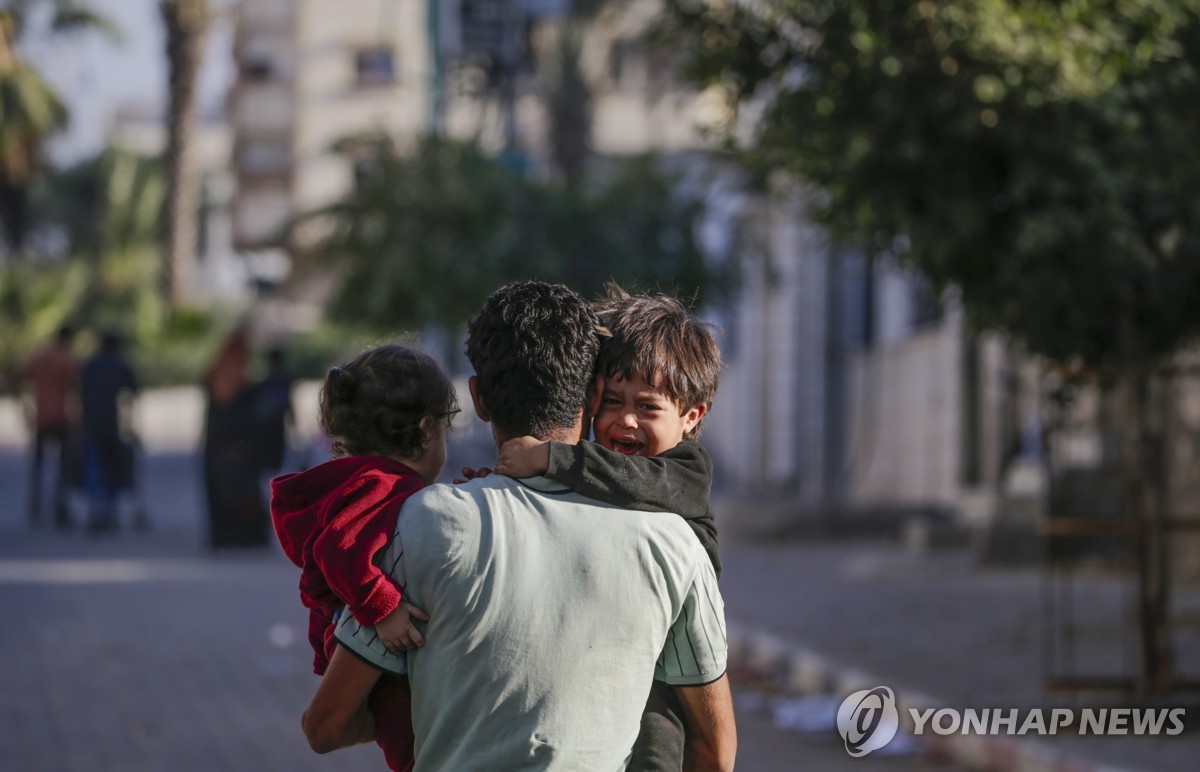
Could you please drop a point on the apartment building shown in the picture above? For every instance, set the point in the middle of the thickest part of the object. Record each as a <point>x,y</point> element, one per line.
<point>311,72</point>
<point>842,384</point>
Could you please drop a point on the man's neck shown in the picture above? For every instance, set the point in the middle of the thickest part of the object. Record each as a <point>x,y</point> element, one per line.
<point>567,434</point>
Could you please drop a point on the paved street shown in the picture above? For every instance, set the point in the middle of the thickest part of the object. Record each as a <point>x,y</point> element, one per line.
<point>145,652</point>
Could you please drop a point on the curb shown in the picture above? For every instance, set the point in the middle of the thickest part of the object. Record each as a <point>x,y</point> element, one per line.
<point>794,670</point>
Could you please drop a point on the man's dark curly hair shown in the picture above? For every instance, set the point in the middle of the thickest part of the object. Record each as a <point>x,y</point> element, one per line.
<point>655,336</point>
<point>374,405</point>
<point>533,346</point>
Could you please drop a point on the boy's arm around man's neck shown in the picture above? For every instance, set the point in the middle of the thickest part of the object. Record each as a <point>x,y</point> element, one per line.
<point>678,480</point>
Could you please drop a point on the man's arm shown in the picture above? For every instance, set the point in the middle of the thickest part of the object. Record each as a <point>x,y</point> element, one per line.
<point>338,715</point>
<point>711,728</point>
<point>693,663</point>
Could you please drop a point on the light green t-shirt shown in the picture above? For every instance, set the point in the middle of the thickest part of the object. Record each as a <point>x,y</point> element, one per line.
<point>551,614</point>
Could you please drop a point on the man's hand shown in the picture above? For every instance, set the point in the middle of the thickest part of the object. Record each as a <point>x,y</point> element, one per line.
<point>397,632</point>
<point>338,716</point>
<point>523,457</point>
<point>711,728</point>
<point>471,474</point>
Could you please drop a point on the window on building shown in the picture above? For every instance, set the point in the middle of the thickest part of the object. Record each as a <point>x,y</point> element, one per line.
<point>375,66</point>
<point>264,156</point>
<point>637,68</point>
<point>258,69</point>
<point>926,304</point>
<point>858,277</point>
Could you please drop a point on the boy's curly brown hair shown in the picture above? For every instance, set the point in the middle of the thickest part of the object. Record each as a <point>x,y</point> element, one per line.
<point>375,404</point>
<point>657,337</point>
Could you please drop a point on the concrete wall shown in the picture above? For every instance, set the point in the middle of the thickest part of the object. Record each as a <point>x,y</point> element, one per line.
<point>171,420</point>
<point>167,420</point>
<point>904,438</point>
<point>768,421</point>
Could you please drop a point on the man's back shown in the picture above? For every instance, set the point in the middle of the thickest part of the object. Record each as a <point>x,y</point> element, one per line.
<point>549,611</point>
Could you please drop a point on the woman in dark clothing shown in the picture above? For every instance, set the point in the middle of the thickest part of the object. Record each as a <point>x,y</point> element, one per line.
<point>108,455</point>
<point>237,514</point>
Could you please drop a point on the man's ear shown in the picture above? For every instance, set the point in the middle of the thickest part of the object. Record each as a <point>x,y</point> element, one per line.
<point>593,397</point>
<point>480,409</point>
<point>693,416</point>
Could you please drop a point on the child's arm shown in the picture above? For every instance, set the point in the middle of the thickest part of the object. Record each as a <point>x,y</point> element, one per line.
<point>678,480</point>
<point>347,549</point>
<point>521,457</point>
<point>396,630</point>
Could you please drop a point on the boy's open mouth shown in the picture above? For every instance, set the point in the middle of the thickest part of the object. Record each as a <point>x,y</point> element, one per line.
<point>628,447</point>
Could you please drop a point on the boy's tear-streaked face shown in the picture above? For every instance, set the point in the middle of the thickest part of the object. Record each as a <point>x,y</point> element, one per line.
<point>640,420</point>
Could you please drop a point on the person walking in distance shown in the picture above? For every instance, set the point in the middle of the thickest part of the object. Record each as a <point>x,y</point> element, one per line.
<point>53,374</point>
<point>108,456</point>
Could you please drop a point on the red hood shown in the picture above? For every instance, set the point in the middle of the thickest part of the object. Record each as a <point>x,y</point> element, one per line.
<point>303,503</point>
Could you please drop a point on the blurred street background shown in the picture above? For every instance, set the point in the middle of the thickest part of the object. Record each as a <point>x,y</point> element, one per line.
<point>146,650</point>
<point>953,248</point>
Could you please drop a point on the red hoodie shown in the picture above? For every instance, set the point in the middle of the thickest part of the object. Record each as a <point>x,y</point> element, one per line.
<point>333,521</point>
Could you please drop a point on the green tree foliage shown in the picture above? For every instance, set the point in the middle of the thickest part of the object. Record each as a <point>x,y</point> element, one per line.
<point>1042,156</point>
<point>30,110</point>
<point>424,237</point>
<point>107,208</point>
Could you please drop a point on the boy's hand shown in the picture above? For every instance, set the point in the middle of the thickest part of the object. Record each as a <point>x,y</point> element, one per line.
<point>471,474</point>
<point>396,630</point>
<point>523,457</point>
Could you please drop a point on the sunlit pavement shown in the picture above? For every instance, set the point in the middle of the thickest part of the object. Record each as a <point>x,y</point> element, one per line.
<point>145,651</point>
<point>834,617</point>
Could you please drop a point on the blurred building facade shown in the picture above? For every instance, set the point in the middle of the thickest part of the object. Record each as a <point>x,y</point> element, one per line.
<point>846,385</point>
<point>850,387</point>
<point>311,72</point>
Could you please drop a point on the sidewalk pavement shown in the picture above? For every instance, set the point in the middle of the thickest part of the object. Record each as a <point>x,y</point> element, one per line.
<point>145,651</point>
<point>141,653</point>
<point>816,618</point>
<point>942,632</point>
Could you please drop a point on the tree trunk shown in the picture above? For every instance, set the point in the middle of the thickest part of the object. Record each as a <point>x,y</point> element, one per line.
<point>14,217</point>
<point>569,103</point>
<point>186,25</point>
<point>13,162</point>
<point>1146,501</point>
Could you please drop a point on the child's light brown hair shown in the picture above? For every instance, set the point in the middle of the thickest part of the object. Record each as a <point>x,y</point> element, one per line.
<point>656,337</point>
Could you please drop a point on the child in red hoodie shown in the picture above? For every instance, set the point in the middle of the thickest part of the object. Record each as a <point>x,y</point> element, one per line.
<point>387,413</point>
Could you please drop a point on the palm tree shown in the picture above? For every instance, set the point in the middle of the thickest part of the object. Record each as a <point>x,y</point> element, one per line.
<point>30,111</point>
<point>568,95</point>
<point>186,23</point>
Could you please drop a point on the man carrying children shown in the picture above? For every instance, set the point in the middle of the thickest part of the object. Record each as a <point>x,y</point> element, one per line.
<point>549,609</point>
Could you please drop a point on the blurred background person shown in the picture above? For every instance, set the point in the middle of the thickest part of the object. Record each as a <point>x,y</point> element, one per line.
<point>273,414</point>
<point>237,514</point>
<point>52,374</point>
<point>106,380</point>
